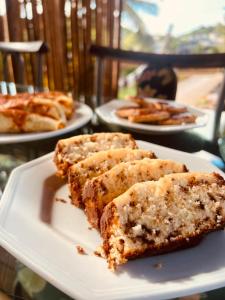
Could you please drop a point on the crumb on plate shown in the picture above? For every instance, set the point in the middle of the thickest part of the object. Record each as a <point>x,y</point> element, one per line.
<point>81,250</point>
<point>158,266</point>
<point>60,200</point>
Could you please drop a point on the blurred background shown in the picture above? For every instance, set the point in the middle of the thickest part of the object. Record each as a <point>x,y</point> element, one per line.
<point>69,27</point>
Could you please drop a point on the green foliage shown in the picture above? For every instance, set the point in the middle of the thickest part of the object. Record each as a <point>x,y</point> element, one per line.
<point>139,41</point>
<point>127,91</point>
<point>218,32</point>
<point>136,41</point>
<point>127,69</point>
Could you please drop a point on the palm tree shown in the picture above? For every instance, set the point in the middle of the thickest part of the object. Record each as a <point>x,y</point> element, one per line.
<point>139,38</point>
<point>131,8</point>
<point>134,34</point>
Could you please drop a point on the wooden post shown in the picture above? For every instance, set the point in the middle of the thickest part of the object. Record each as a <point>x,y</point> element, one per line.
<point>99,81</point>
<point>15,34</point>
<point>5,69</point>
<point>39,80</point>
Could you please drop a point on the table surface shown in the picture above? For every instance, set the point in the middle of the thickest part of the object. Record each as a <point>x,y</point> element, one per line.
<point>16,280</point>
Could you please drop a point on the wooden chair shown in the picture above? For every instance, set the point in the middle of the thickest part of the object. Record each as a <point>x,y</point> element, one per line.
<point>16,49</point>
<point>182,61</point>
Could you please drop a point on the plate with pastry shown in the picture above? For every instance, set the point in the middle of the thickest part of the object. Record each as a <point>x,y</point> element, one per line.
<point>117,219</point>
<point>26,117</point>
<point>154,116</point>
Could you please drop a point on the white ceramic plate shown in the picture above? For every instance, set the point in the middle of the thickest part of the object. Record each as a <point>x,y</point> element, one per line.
<point>107,113</point>
<point>44,235</point>
<point>82,116</point>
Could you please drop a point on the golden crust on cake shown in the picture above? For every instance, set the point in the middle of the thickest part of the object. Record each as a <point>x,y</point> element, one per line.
<point>161,216</point>
<point>101,190</point>
<point>97,164</point>
<point>72,150</point>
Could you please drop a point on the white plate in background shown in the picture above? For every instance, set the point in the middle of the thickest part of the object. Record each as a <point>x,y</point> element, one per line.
<point>44,235</point>
<point>107,113</point>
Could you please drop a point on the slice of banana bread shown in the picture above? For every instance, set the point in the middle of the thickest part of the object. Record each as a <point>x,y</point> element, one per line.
<point>99,191</point>
<point>72,150</point>
<point>97,164</point>
<point>161,216</point>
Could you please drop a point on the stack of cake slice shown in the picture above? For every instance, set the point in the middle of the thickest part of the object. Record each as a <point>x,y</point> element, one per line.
<point>141,205</point>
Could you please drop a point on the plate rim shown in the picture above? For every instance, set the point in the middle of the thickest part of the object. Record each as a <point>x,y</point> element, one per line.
<point>5,240</point>
<point>142,127</point>
<point>86,116</point>
<point>9,243</point>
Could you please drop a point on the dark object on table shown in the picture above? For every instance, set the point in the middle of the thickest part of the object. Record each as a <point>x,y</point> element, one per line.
<point>157,83</point>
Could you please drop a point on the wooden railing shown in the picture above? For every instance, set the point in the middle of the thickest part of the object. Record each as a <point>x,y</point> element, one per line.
<point>68,27</point>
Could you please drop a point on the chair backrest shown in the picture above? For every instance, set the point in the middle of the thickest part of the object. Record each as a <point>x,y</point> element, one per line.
<point>16,49</point>
<point>182,61</point>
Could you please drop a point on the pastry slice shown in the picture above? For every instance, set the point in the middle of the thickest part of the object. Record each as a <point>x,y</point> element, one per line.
<point>179,119</point>
<point>15,120</point>
<point>72,150</point>
<point>141,102</point>
<point>138,100</point>
<point>43,107</point>
<point>101,190</point>
<point>97,164</point>
<point>150,117</point>
<point>126,112</point>
<point>154,217</point>
<point>173,110</point>
<point>65,101</point>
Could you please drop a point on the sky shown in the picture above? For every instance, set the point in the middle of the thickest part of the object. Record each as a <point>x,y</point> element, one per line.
<point>185,15</point>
